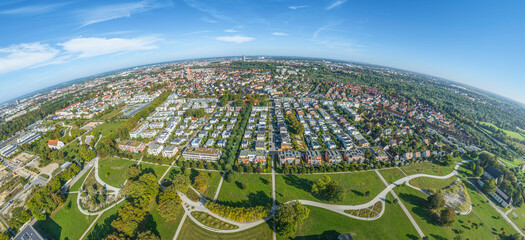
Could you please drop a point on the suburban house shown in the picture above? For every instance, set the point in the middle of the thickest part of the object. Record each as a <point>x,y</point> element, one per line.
<point>55,144</point>
<point>155,149</point>
<point>379,154</point>
<point>352,156</point>
<point>170,151</point>
<point>313,157</point>
<point>289,157</point>
<point>333,157</point>
<point>131,146</point>
<point>206,154</point>
<point>247,156</point>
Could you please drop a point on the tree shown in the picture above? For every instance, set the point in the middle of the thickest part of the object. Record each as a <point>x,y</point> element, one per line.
<point>478,171</point>
<point>201,181</point>
<point>181,183</point>
<point>436,201</point>
<point>231,176</point>
<point>490,186</point>
<point>448,216</point>
<point>147,235</point>
<point>289,216</point>
<point>132,172</point>
<point>328,189</point>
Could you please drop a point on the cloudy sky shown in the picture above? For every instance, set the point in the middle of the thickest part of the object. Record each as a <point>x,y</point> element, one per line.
<point>480,43</point>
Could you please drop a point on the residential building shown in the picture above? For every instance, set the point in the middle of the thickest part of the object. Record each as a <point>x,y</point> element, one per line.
<point>169,151</point>
<point>333,157</point>
<point>155,149</point>
<point>55,144</point>
<point>131,146</point>
<point>289,157</point>
<point>313,157</point>
<point>205,154</point>
<point>249,156</point>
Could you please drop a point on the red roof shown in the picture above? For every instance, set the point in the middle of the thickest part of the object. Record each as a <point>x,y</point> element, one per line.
<point>52,142</point>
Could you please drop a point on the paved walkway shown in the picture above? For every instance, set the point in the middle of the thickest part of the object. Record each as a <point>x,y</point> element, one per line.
<point>402,205</point>
<point>105,185</point>
<point>180,226</point>
<point>219,188</point>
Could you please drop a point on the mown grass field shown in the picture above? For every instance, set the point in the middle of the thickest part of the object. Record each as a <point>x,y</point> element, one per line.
<point>112,170</point>
<point>433,184</point>
<point>158,170</point>
<point>292,187</point>
<point>488,221</point>
<point>324,224</point>
<point>213,184</point>
<point>258,191</point>
<point>108,128</point>
<point>391,175</point>
<point>511,134</point>
<point>211,221</point>
<point>428,168</point>
<point>103,225</point>
<point>67,222</point>
<point>190,230</point>
<point>78,184</point>
<point>165,229</point>
<point>519,220</point>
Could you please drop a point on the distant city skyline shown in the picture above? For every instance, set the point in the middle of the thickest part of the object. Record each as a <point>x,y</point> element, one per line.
<point>52,42</point>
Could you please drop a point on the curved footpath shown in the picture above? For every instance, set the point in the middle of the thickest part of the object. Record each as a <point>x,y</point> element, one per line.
<point>191,206</point>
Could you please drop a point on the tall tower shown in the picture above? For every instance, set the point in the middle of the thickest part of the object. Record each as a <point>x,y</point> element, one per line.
<point>243,58</point>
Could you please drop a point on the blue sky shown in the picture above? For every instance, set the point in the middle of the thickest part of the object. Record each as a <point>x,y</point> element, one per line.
<point>480,43</point>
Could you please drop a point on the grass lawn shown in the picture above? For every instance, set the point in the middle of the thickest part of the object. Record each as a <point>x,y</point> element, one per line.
<point>324,224</point>
<point>291,187</point>
<point>428,168</point>
<point>433,184</point>
<point>157,169</point>
<point>103,225</point>
<point>258,191</point>
<point>112,170</point>
<point>519,220</point>
<point>511,134</point>
<point>211,221</point>
<point>67,222</point>
<point>391,175</point>
<point>77,185</point>
<point>489,221</point>
<point>108,128</point>
<point>166,229</point>
<point>190,230</point>
<point>213,184</point>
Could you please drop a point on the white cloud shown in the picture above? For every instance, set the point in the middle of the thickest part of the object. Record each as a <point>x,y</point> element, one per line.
<point>110,12</point>
<point>279,34</point>
<point>208,20</point>
<point>235,39</point>
<point>204,6</point>
<point>335,4</point>
<point>297,7</point>
<point>231,30</point>
<point>325,27</point>
<point>25,55</point>
<point>35,9</point>
<point>91,47</point>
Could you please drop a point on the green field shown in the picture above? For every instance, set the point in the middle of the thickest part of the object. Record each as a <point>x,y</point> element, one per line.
<point>324,224</point>
<point>158,170</point>
<point>77,185</point>
<point>433,184</point>
<point>190,230</point>
<point>488,220</point>
<point>103,225</point>
<point>211,221</point>
<point>166,229</point>
<point>67,222</point>
<point>511,134</point>
<point>258,191</point>
<point>213,184</point>
<point>291,187</point>
<point>108,128</point>
<point>112,170</point>
<point>391,175</point>
<point>519,220</point>
<point>428,168</point>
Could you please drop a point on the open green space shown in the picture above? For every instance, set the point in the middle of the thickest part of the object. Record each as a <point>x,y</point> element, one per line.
<point>257,192</point>
<point>158,170</point>
<point>112,170</point>
<point>356,185</point>
<point>190,230</point>
<point>166,229</point>
<point>103,225</point>
<point>519,220</point>
<point>211,221</point>
<point>433,184</point>
<point>391,175</point>
<point>484,222</point>
<point>67,222</point>
<point>108,128</point>
<point>428,168</point>
<point>213,184</point>
<point>325,224</point>
<point>511,134</point>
